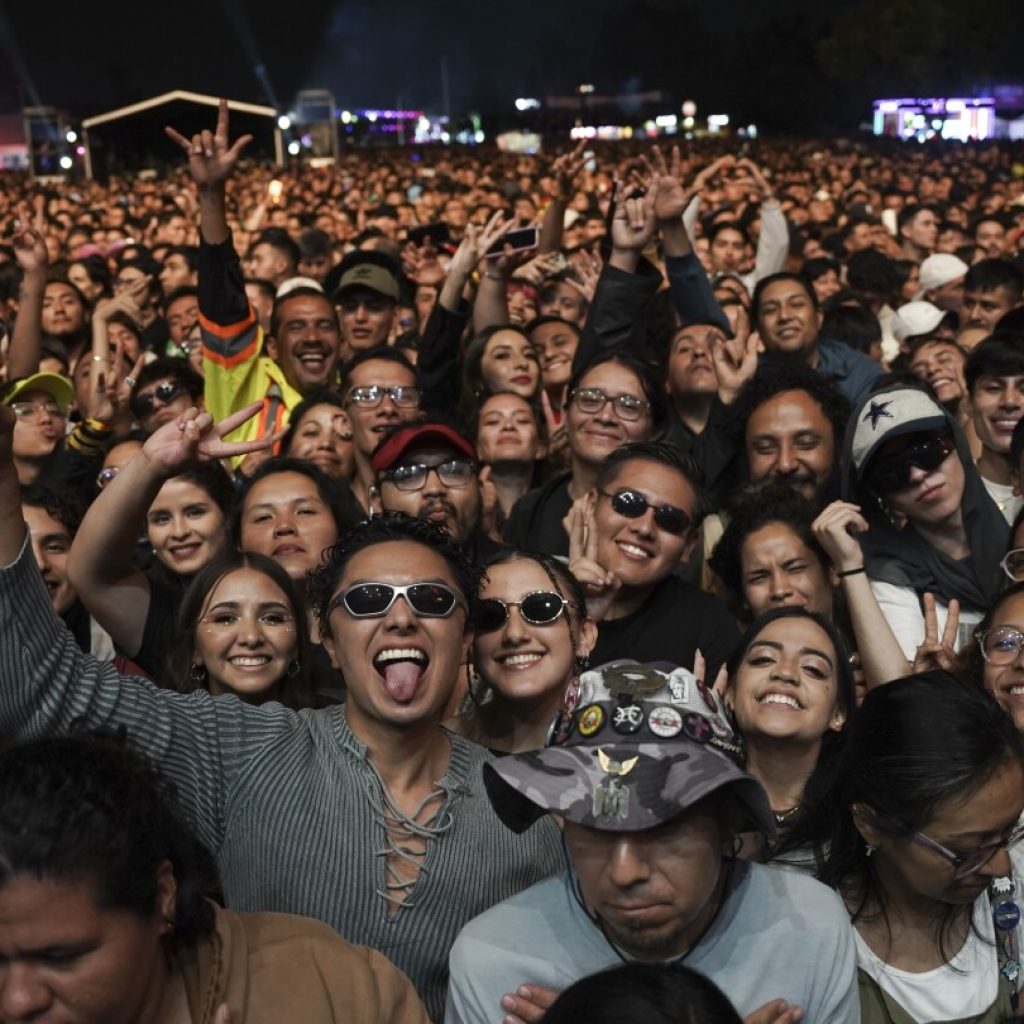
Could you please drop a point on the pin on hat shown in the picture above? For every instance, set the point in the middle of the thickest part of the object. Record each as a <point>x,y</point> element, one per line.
<point>651,742</point>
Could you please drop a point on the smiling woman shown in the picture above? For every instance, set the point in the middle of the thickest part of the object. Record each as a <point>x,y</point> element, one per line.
<point>533,637</point>
<point>791,690</point>
<point>242,630</point>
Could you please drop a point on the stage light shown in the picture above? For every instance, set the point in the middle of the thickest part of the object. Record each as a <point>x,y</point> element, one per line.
<point>71,136</point>
<point>66,163</point>
<point>284,122</point>
<point>294,148</point>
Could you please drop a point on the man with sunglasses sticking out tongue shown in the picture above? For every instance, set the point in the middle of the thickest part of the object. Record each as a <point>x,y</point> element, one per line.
<point>929,525</point>
<point>627,538</point>
<point>370,816</point>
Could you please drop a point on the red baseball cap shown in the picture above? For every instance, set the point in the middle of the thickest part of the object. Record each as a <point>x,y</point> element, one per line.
<point>419,435</point>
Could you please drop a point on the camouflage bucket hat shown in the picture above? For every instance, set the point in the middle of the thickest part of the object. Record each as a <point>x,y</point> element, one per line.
<point>633,747</point>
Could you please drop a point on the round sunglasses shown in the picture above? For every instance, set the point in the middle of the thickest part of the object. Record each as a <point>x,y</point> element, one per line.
<point>373,600</point>
<point>632,505</point>
<point>538,608</point>
<point>144,404</point>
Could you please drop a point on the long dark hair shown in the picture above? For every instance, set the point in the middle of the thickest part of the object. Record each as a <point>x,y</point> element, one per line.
<point>92,809</point>
<point>821,786</point>
<point>915,744</point>
<point>296,688</point>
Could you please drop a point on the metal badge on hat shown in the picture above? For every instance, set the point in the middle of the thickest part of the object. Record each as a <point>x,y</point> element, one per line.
<point>611,797</point>
<point>633,681</point>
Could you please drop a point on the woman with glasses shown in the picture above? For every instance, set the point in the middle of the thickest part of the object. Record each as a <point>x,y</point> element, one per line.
<point>922,849</point>
<point>932,527</point>
<point>994,659</point>
<point>613,401</point>
<point>532,638</point>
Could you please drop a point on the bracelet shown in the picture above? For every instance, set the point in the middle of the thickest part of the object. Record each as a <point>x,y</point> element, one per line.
<point>98,426</point>
<point>851,572</point>
<point>494,277</point>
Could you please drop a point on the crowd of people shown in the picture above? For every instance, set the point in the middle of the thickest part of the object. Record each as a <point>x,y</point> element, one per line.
<point>466,586</point>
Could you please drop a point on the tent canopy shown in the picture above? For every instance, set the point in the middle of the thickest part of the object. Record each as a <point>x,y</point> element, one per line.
<point>171,97</point>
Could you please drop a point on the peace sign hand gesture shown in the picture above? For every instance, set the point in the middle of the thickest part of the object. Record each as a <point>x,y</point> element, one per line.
<point>210,159</point>
<point>936,653</point>
<point>193,438</point>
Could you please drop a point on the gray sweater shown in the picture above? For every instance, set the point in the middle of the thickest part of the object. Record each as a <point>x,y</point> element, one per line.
<point>285,799</point>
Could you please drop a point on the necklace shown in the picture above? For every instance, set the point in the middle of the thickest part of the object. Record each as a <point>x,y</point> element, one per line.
<point>781,817</point>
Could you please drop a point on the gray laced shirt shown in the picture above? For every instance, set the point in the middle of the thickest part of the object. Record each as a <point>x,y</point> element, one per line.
<point>288,801</point>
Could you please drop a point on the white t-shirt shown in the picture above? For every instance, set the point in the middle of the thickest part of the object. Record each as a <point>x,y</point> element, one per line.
<point>1002,494</point>
<point>902,608</point>
<point>965,987</point>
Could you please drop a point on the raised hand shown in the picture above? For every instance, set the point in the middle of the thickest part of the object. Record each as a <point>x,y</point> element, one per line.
<point>836,529</point>
<point>721,684</point>
<point>599,586</point>
<point>30,251</point>
<point>938,652</point>
<point>566,167</point>
<point>733,374</point>
<point>210,159</point>
<point>671,198</point>
<point>634,221</point>
<point>721,164</point>
<point>588,270</point>
<point>223,1014</point>
<point>193,438</point>
<point>760,182</point>
<point>7,421</point>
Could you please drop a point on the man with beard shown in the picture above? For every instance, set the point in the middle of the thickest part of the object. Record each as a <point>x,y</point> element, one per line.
<point>789,422</point>
<point>241,365</point>
<point>428,469</point>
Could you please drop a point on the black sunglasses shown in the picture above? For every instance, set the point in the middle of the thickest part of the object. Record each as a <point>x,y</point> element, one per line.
<point>373,600</point>
<point>143,405</point>
<point>632,505</point>
<point>539,608</point>
<point>892,472</point>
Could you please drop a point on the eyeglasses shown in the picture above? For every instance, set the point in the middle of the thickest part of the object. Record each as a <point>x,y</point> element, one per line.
<point>539,608</point>
<point>369,397</point>
<point>373,600</point>
<point>632,505</point>
<point>1013,564</point>
<point>23,410</point>
<point>143,405</point>
<point>965,864</point>
<point>892,473</point>
<point>452,473</point>
<point>106,475</point>
<point>1000,645</point>
<point>593,400</point>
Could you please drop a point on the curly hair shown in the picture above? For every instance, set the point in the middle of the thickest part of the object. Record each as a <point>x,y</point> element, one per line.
<point>384,529</point>
<point>771,503</point>
<point>777,373</point>
<point>92,809</point>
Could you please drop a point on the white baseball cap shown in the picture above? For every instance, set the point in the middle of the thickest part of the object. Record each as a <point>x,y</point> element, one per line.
<point>938,269</point>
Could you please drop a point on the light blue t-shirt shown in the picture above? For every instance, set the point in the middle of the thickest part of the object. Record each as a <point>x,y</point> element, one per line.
<point>779,935</point>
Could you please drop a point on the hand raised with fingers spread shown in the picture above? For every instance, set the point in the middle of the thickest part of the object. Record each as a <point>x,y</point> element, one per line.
<point>210,159</point>
<point>938,652</point>
<point>193,438</point>
<point>671,198</point>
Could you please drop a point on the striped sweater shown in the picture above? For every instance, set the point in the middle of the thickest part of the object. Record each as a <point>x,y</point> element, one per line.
<point>283,798</point>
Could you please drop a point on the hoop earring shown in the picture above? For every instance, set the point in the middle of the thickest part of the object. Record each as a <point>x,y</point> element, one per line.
<point>197,676</point>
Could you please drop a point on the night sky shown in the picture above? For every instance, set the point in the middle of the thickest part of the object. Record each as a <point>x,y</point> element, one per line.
<point>752,57</point>
<point>90,56</point>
